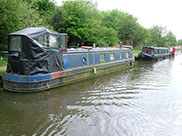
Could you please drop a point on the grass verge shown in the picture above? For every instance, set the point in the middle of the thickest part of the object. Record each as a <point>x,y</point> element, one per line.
<point>3,63</point>
<point>2,72</point>
<point>136,51</point>
<point>3,60</point>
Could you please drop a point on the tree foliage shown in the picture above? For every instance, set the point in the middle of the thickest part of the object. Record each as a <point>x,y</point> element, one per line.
<point>170,39</point>
<point>142,36</point>
<point>107,37</point>
<point>160,36</point>
<point>179,42</point>
<point>83,23</point>
<point>128,29</point>
<point>16,15</point>
<point>45,8</point>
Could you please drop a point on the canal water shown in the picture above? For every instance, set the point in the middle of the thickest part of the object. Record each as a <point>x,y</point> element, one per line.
<point>145,100</point>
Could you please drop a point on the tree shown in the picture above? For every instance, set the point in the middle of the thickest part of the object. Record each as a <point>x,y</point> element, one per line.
<point>127,29</point>
<point>142,36</point>
<point>58,21</point>
<point>125,25</point>
<point>157,36</point>
<point>160,36</point>
<point>16,15</point>
<point>112,19</point>
<point>44,7</point>
<point>180,42</point>
<point>107,37</point>
<point>170,39</point>
<point>77,19</point>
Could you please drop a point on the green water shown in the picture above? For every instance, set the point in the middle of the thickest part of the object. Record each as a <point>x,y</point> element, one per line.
<point>145,100</point>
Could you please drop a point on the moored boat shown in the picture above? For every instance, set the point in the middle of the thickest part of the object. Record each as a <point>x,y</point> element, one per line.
<point>154,53</point>
<point>175,50</point>
<point>39,60</point>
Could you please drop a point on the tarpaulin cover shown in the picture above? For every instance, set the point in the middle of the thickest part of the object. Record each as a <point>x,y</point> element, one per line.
<point>28,56</point>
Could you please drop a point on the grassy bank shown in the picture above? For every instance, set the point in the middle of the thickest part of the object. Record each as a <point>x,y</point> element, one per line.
<point>3,63</point>
<point>2,72</point>
<point>3,58</point>
<point>136,51</point>
<point>1,78</point>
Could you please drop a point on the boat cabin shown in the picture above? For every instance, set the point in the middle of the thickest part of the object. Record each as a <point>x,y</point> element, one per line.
<point>148,50</point>
<point>155,50</point>
<point>35,50</point>
<point>39,60</point>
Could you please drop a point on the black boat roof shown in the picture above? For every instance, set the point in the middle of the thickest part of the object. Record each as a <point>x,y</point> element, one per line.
<point>33,32</point>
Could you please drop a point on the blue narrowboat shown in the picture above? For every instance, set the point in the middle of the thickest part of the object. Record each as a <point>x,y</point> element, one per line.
<point>39,60</point>
<point>154,53</point>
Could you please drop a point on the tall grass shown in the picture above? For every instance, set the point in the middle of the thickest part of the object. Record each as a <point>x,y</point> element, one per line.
<point>136,51</point>
<point>3,61</point>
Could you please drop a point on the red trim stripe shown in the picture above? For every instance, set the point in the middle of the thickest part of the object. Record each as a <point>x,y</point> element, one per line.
<point>58,74</point>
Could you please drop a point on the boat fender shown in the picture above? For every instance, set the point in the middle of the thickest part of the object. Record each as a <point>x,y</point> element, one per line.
<point>95,71</point>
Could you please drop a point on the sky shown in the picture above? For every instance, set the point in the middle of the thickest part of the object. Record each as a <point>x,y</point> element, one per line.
<point>167,13</point>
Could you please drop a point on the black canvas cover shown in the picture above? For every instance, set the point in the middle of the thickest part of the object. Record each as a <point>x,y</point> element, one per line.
<point>34,32</point>
<point>30,51</point>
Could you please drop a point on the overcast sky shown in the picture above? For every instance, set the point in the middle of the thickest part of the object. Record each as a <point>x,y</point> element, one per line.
<point>167,13</point>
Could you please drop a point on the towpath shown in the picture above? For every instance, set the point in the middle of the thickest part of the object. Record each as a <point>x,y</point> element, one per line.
<point>3,67</point>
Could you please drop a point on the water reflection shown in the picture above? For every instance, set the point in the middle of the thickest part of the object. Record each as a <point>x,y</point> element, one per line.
<point>145,100</point>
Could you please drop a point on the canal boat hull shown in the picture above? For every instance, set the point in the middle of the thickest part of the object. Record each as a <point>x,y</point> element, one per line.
<point>154,53</point>
<point>39,60</point>
<point>36,83</point>
<point>146,56</point>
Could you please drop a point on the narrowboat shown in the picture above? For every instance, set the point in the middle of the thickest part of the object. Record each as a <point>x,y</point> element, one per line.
<point>154,53</point>
<point>175,50</point>
<point>39,60</point>
<point>172,51</point>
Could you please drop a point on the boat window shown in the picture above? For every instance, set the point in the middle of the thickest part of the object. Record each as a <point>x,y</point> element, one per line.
<point>120,55</point>
<point>127,55</point>
<point>15,43</point>
<point>42,40</point>
<point>102,58</point>
<point>63,41</point>
<point>158,52</point>
<point>144,50</point>
<point>84,60</point>
<point>152,51</point>
<point>53,42</point>
<point>112,56</point>
<point>155,51</point>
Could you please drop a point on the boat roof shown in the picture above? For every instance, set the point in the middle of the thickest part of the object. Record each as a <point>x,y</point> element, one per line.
<point>34,32</point>
<point>151,47</point>
<point>98,49</point>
